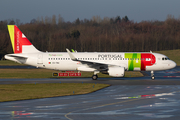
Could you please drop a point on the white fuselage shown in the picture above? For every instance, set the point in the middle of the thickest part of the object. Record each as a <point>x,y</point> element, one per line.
<point>62,61</point>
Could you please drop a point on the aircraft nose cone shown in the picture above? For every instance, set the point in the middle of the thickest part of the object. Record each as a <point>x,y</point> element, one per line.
<point>173,64</point>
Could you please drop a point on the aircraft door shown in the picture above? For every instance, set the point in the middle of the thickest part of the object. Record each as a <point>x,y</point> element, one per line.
<point>40,59</point>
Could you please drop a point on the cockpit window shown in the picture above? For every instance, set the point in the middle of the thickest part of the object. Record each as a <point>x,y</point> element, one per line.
<point>165,58</point>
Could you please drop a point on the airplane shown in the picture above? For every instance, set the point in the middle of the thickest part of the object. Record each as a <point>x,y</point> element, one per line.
<point>112,63</point>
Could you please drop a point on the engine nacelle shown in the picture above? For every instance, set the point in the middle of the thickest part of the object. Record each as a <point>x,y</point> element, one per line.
<point>116,71</point>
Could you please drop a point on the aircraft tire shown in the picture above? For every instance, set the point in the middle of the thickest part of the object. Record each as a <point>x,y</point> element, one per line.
<point>94,77</point>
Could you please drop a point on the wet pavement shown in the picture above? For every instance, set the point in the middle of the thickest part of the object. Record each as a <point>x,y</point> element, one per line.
<point>127,98</point>
<point>115,102</point>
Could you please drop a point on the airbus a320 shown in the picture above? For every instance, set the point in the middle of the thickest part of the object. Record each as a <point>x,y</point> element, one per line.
<point>113,63</point>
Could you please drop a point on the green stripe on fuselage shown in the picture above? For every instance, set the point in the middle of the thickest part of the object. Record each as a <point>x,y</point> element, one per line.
<point>134,61</point>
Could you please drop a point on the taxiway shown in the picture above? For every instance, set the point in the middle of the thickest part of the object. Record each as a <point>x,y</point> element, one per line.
<point>126,98</point>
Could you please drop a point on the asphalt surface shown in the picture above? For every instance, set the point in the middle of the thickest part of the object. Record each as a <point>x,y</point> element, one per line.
<point>126,98</point>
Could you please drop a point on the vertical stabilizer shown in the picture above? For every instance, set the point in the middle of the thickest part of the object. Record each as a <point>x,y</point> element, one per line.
<point>20,43</point>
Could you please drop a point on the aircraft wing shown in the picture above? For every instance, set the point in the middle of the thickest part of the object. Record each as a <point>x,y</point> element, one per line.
<point>102,66</point>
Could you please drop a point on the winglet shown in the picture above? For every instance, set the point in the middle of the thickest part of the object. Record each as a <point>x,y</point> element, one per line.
<point>72,50</point>
<point>71,55</point>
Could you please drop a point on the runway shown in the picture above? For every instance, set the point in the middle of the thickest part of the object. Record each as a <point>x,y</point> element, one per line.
<point>126,98</point>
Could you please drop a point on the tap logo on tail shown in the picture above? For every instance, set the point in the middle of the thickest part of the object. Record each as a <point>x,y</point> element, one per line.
<point>18,39</point>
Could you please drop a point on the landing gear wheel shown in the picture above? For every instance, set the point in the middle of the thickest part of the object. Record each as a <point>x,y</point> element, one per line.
<point>152,75</point>
<point>94,77</point>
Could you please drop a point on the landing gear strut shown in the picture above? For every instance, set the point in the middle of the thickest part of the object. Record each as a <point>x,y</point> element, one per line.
<point>152,75</point>
<point>95,76</point>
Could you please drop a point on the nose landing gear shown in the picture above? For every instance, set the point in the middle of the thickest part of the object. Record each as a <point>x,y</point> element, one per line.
<point>152,75</point>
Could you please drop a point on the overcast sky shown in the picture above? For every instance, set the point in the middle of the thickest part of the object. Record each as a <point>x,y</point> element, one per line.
<point>136,10</point>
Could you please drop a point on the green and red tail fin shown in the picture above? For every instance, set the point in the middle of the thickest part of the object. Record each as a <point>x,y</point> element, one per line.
<point>20,43</point>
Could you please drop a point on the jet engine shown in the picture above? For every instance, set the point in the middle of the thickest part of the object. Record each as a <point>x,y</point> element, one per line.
<point>116,71</point>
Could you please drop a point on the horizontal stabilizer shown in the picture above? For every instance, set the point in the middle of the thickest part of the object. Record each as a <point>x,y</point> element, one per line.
<point>16,56</point>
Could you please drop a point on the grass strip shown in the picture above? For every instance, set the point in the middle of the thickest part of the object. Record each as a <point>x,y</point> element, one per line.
<point>15,92</point>
<point>45,73</point>
<point>9,63</point>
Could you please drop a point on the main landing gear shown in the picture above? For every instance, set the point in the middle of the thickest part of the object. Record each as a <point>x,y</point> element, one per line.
<point>152,75</point>
<point>95,76</point>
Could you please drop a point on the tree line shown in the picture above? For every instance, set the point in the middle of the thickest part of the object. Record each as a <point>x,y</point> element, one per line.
<point>97,34</point>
